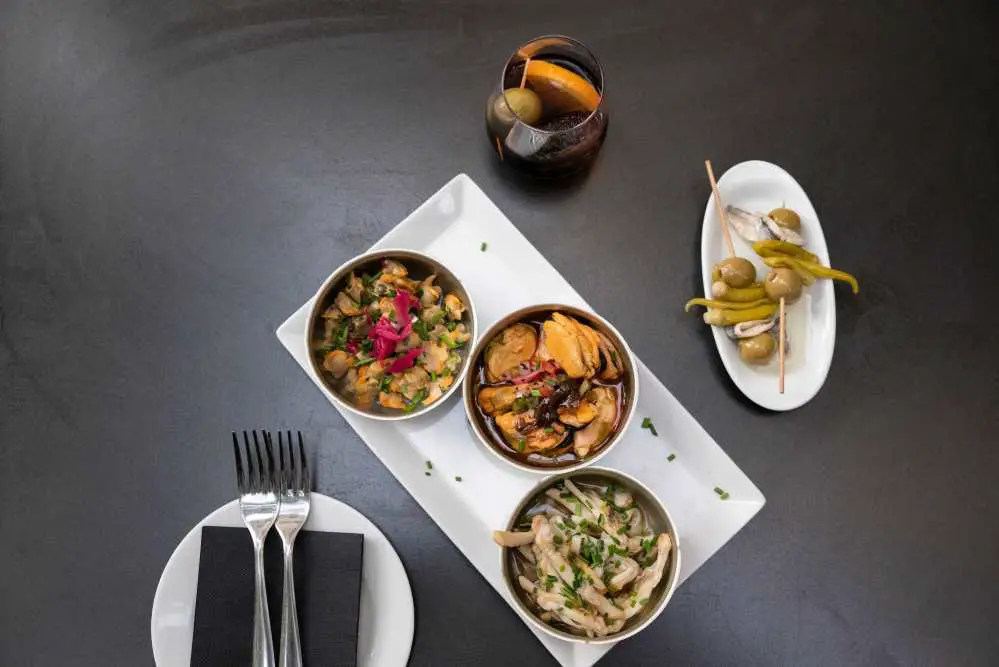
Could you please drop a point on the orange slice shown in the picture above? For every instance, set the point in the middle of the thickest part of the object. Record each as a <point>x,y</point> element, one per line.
<point>561,90</point>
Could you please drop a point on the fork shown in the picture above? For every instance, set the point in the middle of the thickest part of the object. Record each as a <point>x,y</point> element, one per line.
<point>295,484</point>
<point>258,503</point>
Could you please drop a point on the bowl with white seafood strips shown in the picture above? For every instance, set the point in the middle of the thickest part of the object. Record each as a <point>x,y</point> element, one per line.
<point>389,334</point>
<point>550,388</point>
<point>591,556</point>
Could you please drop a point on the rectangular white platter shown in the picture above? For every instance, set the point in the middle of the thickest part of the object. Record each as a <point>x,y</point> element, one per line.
<point>510,274</point>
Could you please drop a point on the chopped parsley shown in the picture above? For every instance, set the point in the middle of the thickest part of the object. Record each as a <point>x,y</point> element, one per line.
<point>483,247</point>
<point>421,328</point>
<point>384,386</point>
<point>550,581</point>
<point>649,544</point>
<point>591,552</point>
<point>557,539</point>
<point>416,401</point>
<point>647,423</point>
<point>451,326</point>
<point>613,550</point>
<point>535,393</point>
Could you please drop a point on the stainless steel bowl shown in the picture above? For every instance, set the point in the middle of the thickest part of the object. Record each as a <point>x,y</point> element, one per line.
<point>661,522</point>
<point>586,317</point>
<point>420,266</point>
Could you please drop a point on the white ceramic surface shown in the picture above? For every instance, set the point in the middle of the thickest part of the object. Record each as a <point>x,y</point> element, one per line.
<point>385,631</point>
<point>758,186</point>
<point>510,274</point>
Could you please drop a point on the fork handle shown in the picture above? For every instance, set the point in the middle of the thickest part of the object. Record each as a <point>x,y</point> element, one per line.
<point>263,641</point>
<point>291,645</point>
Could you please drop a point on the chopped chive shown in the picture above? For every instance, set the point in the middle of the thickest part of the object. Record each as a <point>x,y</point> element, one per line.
<point>483,246</point>
<point>722,493</point>
<point>521,444</point>
<point>427,473</point>
<point>430,466</point>
<point>725,496</point>
<point>457,478</point>
<point>671,457</point>
<point>647,423</point>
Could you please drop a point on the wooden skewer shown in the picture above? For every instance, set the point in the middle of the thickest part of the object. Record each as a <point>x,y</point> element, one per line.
<point>523,77</point>
<point>718,206</point>
<point>780,347</point>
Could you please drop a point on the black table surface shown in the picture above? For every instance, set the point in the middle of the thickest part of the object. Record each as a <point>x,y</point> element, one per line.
<point>177,177</point>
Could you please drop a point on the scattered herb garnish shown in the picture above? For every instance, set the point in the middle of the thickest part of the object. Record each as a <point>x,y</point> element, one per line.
<point>364,362</point>
<point>430,466</point>
<point>557,539</point>
<point>421,328</point>
<point>647,423</point>
<point>451,326</point>
<point>416,401</point>
<point>561,568</point>
<point>521,444</point>
<point>386,381</point>
<point>649,544</point>
<point>536,393</point>
<point>427,473</point>
<point>457,478</point>
<point>671,457</point>
<point>549,429</point>
<point>722,493</point>
<point>483,246</point>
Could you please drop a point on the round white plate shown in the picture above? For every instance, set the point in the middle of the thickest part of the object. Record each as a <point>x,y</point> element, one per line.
<point>758,186</point>
<point>386,621</point>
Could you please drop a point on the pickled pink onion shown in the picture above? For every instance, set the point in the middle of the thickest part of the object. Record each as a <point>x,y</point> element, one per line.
<point>406,361</point>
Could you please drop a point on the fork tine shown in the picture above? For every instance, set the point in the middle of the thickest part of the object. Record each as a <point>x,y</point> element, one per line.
<point>306,484</point>
<point>250,468</point>
<point>292,465</point>
<point>282,464</point>
<point>272,472</point>
<point>261,477</point>
<point>240,481</point>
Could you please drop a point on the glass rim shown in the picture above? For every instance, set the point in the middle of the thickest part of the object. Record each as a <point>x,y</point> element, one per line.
<point>573,40</point>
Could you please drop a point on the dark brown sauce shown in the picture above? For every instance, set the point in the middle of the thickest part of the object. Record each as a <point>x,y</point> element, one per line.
<point>563,455</point>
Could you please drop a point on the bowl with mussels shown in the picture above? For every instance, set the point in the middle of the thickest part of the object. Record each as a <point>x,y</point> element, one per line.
<point>550,388</point>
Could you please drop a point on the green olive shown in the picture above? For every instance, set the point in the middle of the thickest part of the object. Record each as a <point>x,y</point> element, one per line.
<point>737,271</point>
<point>785,217</point>
<point>758,349</point>
<point>524,103</point>
<point>782,283</point>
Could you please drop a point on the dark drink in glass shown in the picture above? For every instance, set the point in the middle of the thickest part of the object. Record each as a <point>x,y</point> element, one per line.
<point>546,117</point>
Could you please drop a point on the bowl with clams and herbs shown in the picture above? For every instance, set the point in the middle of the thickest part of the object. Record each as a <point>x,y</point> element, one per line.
<point>389,334</point>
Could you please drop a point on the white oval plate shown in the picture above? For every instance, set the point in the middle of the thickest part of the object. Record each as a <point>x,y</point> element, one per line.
<point>759,186</point>
<point>385,632</point>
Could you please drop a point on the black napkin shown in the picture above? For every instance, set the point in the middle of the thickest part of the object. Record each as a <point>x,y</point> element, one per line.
<point>327,590</point>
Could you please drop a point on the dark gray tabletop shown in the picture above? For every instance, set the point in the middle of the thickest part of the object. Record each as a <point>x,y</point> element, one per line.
<point>177,177</point>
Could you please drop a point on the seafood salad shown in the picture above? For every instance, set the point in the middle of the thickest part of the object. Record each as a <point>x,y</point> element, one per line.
<point>586,557</point>
<point>551,390</point>
<point>392,339</point>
